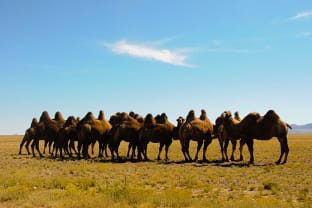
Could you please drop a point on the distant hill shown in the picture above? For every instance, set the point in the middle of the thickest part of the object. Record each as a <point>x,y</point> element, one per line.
<point>306,128</point>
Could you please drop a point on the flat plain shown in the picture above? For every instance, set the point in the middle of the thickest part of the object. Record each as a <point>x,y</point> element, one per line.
<point>46,182</point>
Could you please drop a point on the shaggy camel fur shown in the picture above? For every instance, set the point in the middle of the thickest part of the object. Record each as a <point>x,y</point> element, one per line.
<point>176,130</point>
<point>197,129</point>
<point>224,137</point>
<point>91,130</point>
<point>254,126</point>
<point>125,128</point>
<point>66,134</point>
<point>28,136</point>
<point>48,129</point>
<point>156,130</point>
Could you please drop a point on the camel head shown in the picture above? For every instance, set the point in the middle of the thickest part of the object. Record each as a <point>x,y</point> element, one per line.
<point>180,120</point>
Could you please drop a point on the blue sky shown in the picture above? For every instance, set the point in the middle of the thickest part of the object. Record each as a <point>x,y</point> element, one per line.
<point>153,57</point>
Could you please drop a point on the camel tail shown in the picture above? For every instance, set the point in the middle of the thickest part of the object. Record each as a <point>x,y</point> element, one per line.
<point>289,126</point>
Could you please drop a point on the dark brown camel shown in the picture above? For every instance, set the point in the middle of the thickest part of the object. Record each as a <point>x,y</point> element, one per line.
<point>197,129</point>
<point>224,137</point>
<point>254,126</point>
<point>125,128</point>
<point>156,130</point>
<point>28,136</point>
<point>48,129</point>
<point>67,134</point>
<point>90,130</point>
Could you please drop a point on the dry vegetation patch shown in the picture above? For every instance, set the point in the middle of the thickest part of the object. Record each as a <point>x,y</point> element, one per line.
<point>44,182</point>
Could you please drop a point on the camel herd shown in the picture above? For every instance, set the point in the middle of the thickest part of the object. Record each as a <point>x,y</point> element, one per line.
<point>74,136</point>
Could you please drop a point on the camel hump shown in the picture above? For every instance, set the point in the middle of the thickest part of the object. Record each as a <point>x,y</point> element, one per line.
<point>58,116</point>
<point>271,115</point>
<point>203,115</point>
<point>190,116</point>
<point>149,121</point>
<point>101,115</point>
<point>236,116</point>
<point>89,116</point>
<point>34,122</point>
<point>162,119</point>
<point>44,116</point>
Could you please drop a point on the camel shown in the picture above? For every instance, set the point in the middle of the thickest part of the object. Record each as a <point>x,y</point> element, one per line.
<point>176,130</point>
<point>224,137</point>
<point>156,130</point>
<point>91,130</point>
<point>28,136</point>
<point>254,126</point>
<point>196,129</point>
<point>48,129</point>
<point>67,134</point>
<point>125,127</point>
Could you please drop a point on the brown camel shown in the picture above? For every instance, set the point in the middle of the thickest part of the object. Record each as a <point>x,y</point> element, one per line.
<point>224,137</point>
<point>254,126</point>
<point>156,130</point>
<point>28,136</point>
<point>48,129</point>
<point>91,130</point>
<point>176,130</point>
<point>197,129</point>
<point>125,128</point>
<point>67,134</point>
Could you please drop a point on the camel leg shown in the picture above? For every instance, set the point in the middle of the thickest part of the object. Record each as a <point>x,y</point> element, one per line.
<point>199,145</point>
<point>111,149</point>
<point>221,148</point>
<point>133,147</point>
<point>21,145</point>
<point>206,143</point>
<point>105,149</point>
<point>161,145</point>
<point>27,146</point>
<point>145,150</point>
<point>226,144</point>
<point>129,148</point>
<point>79,149</point>
<point>241,145</point>
<point>187,151</point>
<point>45,146</point>
<point>250,148</point>
<point>167,149</point>
<point>33,147</point>
<point>286,150</point>
<point>50,144</point>
<point>183,150</point>
<point>117,151</point>
<point>234,142</point>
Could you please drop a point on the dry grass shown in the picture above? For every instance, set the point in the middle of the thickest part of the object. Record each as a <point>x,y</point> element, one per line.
<point>44,182</point>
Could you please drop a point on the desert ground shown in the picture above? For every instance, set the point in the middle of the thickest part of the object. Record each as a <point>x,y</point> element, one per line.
<point>46,182</point>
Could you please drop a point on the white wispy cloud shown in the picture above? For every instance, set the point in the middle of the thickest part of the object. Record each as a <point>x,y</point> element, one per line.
<point>304,34</point>
<point>176,57</point>
<point>302,15</point>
